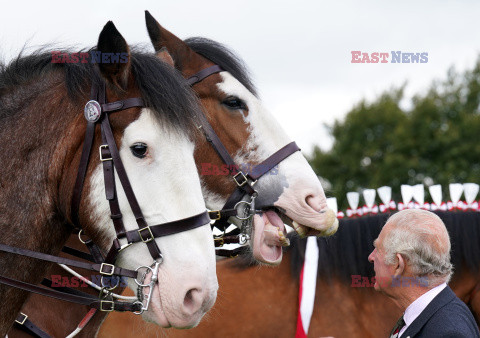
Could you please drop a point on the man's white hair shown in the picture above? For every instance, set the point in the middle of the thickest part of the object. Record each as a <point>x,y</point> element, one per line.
<point>422,239</point>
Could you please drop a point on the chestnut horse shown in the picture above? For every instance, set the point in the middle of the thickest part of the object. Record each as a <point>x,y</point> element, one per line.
<point>345,305</point>
<point>228,111</point>
<point>42,128</point>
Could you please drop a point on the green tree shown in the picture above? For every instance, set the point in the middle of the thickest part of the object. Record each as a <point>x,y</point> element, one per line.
<point>379,143</point>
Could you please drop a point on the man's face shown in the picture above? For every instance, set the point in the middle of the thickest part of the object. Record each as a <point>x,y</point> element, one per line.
<point>383,272</point>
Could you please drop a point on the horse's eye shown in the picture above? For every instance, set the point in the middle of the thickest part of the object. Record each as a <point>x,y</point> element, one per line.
<point>234,103</point>
<point>139,150</point>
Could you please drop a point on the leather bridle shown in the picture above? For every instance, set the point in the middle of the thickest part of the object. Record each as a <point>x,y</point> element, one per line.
<point>244,181</point>
<point>96,112</point>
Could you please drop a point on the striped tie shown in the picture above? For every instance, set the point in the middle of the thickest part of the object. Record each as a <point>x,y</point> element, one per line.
<point>400,324</point>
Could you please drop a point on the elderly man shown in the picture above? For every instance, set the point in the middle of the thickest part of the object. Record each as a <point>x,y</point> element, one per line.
<point>412,266</point>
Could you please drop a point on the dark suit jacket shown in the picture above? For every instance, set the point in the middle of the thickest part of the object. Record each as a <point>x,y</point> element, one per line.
<point>445,316</point>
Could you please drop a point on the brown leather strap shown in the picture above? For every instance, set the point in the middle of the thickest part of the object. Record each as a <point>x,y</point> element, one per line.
<point>274,159</point>
<point>264,167</point>
<point>77,253</point>
<point>123,104</point>
<point>224,213</point>
<point>204,73</point>
<point>95,251</point>
<point>90,301</point>
<point>110,188</point>
<point>127,188</point>
<point>169,228</point>
<point>105,269</point>
<point>81,173</point>
<point>222,240</point>
<point>65,289</point>
<point>23,323</point>
<point>84,160</point>
<point>214,140</point>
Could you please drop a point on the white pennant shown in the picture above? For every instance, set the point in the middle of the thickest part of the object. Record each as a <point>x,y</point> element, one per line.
<point>456,190</point>
<point>385,194</point>
<point>407,193</point>
<point>471,191</point>
<point>369,197</point>
<point>332,204</point>
<point>436,194</point>
<point>309,284</point>
<point>353,198</point>
<point>418,192</point>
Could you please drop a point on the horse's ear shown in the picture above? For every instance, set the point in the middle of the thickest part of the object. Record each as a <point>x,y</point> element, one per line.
<point>165,56</point>
<point>162,38</point>
<point>114,62</point>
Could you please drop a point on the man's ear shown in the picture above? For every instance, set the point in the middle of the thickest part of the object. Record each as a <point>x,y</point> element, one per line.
<point>114,55</point>
<point>400,265</point>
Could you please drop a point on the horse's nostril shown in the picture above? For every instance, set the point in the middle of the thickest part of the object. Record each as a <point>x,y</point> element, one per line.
<point>315,202</point>
<point>193,300</point>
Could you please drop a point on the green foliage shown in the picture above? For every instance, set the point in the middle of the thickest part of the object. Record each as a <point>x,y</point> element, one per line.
<point>436,141</point>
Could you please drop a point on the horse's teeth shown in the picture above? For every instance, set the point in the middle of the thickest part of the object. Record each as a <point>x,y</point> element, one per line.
<point>300,229</point>
<point>284,241</point>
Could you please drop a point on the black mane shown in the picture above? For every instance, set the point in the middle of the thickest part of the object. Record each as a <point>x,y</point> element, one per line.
<point>345,254</point>
<point>225,58</point>
<point>161,87</point>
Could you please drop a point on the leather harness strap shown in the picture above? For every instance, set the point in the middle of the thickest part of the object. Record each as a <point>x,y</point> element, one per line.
<point>103,305</point>
<point>104,268</point>
<point>80,254</point>
<point>149,233</point>
<point>204,73</point>
<point>274,159</point>
<point>23,323</point>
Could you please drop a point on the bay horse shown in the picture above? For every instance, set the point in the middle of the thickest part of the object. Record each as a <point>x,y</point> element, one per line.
<point>290,193</point>
<point>42,129</point>
<point>227,111</point>
<point>345,305</point>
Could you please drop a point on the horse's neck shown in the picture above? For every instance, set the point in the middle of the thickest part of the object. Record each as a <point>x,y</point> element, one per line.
<point>29,216</point>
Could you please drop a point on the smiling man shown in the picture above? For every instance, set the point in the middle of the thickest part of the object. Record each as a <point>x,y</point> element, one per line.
<point>412,266</point>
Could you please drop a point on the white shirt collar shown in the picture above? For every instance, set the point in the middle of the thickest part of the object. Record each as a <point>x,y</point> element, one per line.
<point>415,309</point>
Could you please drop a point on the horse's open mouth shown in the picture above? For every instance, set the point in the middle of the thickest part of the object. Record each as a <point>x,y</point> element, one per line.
<point>269,236</point>
<point>269,233</point>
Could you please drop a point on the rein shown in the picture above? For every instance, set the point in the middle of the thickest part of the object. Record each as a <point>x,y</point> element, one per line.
<point>96,112</point>
<point>244,181</point>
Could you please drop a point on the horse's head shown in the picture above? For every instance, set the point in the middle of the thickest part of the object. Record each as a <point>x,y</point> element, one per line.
<point>157,154</point>
<point>290,192</point>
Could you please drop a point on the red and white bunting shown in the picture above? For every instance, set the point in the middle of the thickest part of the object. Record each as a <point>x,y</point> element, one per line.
<point>442,207</point>
<point>372,210</point>
<point>354,212</point>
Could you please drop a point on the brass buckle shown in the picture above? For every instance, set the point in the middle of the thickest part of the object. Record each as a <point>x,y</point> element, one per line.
<point>150,233</point>
<point>110,308</point>
<point>217,214</point>
<point>103,146</point>
<point>21,321</point>
<point>112,269</point>
<point>244,179</point>
<point>219,240</point>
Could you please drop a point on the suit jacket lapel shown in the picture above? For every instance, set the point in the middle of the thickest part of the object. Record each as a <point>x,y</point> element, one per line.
<point>438,302</point>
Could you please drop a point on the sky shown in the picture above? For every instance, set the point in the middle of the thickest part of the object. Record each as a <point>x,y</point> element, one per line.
<point>298,52</point>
